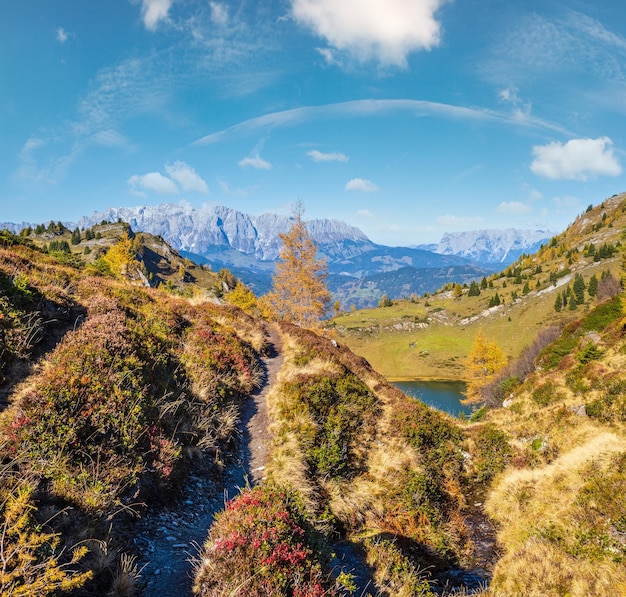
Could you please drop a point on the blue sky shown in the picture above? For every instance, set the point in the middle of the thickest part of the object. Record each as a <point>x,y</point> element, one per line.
<point>406,118</point>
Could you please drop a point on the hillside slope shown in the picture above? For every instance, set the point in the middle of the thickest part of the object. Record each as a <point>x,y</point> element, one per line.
<point>427,337</point>
<point>116,393</point>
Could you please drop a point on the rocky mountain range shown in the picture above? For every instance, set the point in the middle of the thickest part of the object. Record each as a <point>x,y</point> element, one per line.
<point>249,246</point>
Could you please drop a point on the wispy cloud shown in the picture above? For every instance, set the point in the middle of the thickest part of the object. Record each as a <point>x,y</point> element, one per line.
<point>154,11</point>
<point>567,202</point>
<point>219,13</point>
<point>514,208</point>
<point>361,184</point>
<point>366,214</point>
<point>572,51</point>
<point>521,109</point>
<point>466,173</point>
<point>110,138</point>
<point>578,159</point>
<point>231,191</point>
<point>335,156</point>
<point>371,107</point>
<point>255,161</point>
<point>467,222</point>
<point>384,30</point>
<point>62,35</point>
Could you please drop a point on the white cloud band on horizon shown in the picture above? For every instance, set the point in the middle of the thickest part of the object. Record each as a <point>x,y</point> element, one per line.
<point>372,107</point>
<point>460,221</point>
<point>361,184</point>
<point>578,159</point>
<point>385,30</point>
<point>335,156</point>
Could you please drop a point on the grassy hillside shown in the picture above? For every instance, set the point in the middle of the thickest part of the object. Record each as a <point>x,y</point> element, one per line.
<point>110,390</point>
<point>559,504</point>
<point>428,337</point>
<point>114,391</point>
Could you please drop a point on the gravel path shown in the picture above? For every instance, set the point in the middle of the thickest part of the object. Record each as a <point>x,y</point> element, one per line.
<point>168,539</point>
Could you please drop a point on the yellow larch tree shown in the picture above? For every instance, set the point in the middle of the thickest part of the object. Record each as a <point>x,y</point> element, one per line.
<point>483,362</point>
<point>242,297</point>
<point>299,291</point>
<point>121,255</point>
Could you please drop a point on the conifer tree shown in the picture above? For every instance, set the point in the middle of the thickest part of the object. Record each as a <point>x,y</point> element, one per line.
<point>558,303</point>
<point>592,289</point>
<point>299,291</point>
<point>473,289</point>
<point>579,289</point>
<point>75,239</point>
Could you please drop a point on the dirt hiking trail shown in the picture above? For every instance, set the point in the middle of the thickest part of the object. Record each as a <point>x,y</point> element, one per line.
<point>168,539</point>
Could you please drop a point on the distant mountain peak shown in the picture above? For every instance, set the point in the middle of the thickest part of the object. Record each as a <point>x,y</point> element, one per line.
<point>492,246</point>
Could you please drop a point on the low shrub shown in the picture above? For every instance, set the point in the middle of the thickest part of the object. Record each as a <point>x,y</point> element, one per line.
<point>262,544</point>
<point>343,409</point>
<point>491,452</point>
<point>546,394</point>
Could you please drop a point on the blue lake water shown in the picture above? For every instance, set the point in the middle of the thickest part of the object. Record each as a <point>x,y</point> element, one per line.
<point>443,395</point>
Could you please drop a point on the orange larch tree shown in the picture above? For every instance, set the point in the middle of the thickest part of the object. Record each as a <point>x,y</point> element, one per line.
<point>299,291</point>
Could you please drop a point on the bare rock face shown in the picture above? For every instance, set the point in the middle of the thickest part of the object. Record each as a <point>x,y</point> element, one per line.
<point>203,230</point>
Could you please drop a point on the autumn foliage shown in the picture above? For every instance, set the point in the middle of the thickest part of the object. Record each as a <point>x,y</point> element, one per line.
<point>261,546</point>
<point>299,292</point>
<point>483,362</point>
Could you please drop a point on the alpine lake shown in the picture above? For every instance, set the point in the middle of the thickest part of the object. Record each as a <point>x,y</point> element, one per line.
<point>442,395</point>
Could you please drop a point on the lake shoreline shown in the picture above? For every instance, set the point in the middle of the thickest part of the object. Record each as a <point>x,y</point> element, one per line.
<point>443,395</point>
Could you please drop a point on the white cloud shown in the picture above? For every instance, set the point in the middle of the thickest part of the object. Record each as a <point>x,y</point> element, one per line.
<point>255,161</point>
<point>187,177</point>
<point>372,107</point>
<point>109,138</point>
<point>521,109</point>
<point>153,181</point>
<point>219,13</point>
<point>578,159</point>
<point>514,208</point>
<point>328,55</point>
<point>361,184</point>
<point>386,30</point>
<point>335,156</point>
<point>460,221</point>
<point>154,11</point>
<point>62,35</point>
<point>567,202</point>
<point>365,213</point>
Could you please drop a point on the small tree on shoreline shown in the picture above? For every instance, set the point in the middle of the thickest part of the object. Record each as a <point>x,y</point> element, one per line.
<point>483,362</point>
